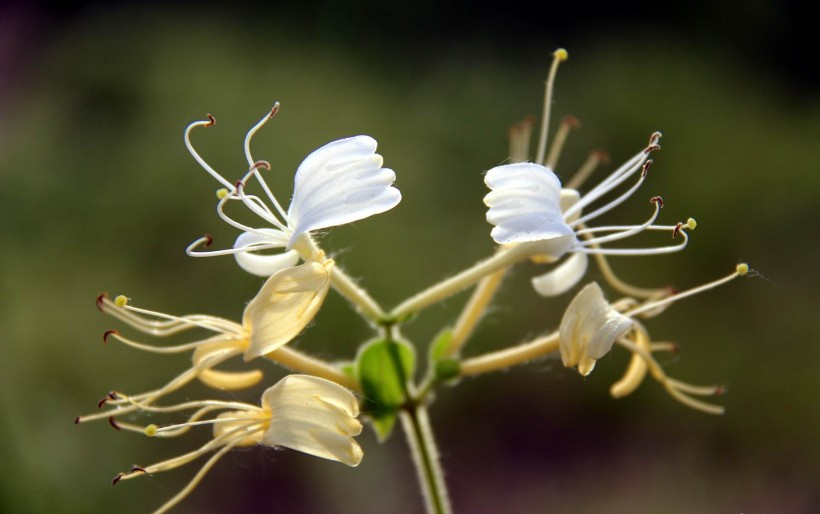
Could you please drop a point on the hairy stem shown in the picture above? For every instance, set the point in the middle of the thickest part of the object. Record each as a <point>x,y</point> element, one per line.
<point>416,425</point>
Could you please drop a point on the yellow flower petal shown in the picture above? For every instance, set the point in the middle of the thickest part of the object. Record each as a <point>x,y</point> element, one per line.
<point>285,305</point>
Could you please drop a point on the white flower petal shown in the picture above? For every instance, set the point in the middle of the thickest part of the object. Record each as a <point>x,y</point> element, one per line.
<point>563,277</point>
<point>568,198</point>
<point>524,203</point>
<point>264,265</point>
<point>314,416</point>
<point>339,183</point>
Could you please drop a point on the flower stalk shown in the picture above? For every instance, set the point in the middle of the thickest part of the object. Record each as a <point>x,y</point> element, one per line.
<point>416,424</point>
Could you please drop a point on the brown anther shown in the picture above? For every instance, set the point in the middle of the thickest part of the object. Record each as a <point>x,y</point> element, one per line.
<point>720,390</point>
<point>646,167</point>
<point>211,121</point>
<point>261,164</point>
<point>208,240</point>
<point>654,138</point>
<point>77,420</point>
<point>601,155</point>
<point>523,125</point>
<point>100,302</point>
<point>112,395</point>
<point>137,469</point>
<point>675,349</point>
<point>651,148</point>
<point>108,333</point>
<point>658,200</point>
<point>274,110</point>
<point>572,121</point>
<point>117,478</point>
<point>113,422</point>
<point>676,230</point>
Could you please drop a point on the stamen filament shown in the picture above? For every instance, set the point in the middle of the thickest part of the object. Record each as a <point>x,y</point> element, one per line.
<point>612,181</point>
<point>567,124</point>
<point>255,129</point>
<point>669,384</point>
<point>196,480</point>
<point>252,203</point>
<point>638,251</point>
<point>624,234</point>
<point>204,321</point>
<point>519,136</point>
<point>180,348</point>
<point>253,247</point>
<point>125,404</point>
<point>611,205</point>
<point>648,306</point>
<point>197,157</point>
<point>557,57</point>
<point>270,194</point>
<point>596,157</point>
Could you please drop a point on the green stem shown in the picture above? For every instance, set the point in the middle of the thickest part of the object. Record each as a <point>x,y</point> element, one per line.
<point>416,425</point>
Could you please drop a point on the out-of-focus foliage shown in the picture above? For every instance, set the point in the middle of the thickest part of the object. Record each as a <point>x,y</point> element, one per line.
<point>99,194</point>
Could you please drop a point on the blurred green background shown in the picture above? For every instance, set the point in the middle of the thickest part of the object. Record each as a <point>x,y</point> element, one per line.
<point>99,194</point>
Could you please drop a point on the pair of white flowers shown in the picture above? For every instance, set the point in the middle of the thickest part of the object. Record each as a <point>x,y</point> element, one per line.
<point>344,181</point>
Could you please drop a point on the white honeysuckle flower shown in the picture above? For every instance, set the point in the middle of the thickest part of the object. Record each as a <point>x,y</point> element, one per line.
<point>301,412</point>
<point>339,183</point>
<point>528,206</point>
<point>589,328</point>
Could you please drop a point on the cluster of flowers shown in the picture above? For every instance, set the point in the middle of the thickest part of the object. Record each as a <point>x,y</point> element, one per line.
<point>316,411</point>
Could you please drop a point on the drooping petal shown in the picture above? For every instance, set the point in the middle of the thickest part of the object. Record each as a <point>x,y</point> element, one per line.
<point>524,203</point>
<point>314,416</point>
<point>339,183</point>
<point>563,277</point>
<point>589,328</point>
<point>285,305</point>
<point>264,265</point>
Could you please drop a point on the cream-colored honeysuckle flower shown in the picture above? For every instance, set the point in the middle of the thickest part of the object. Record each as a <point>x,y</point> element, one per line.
<point>589,328</point>
<point>301,412</point>
<point>339,183</point>
<point>284,306</point>
<point>527,205</point>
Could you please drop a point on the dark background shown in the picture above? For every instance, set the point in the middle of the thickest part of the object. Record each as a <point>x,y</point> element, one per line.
<point>99,194</point>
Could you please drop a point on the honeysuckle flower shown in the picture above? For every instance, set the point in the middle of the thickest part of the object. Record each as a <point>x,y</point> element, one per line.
<point>339,183</point>
<point>589,328</point>
<point>287,302</point>
<point>301,412</point>
<point>528,206</point>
